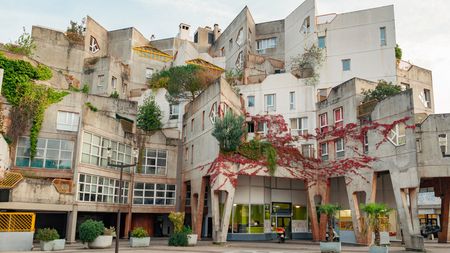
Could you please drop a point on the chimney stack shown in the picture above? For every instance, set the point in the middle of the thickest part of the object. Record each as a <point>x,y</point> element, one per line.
<point>216,31</point>
<point>183,32</point>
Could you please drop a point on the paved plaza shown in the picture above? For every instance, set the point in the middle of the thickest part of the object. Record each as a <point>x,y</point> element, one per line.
<point>160,245</point>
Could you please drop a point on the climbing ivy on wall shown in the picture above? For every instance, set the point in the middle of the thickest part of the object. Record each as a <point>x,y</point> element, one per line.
<point>29,99</point>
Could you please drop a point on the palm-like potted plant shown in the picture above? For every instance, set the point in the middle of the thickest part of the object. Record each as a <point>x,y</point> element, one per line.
<point>49,239</point>
<point>139,238</point>
<point>95,235</point>
<point>377,212</point>
<point>330,245</point>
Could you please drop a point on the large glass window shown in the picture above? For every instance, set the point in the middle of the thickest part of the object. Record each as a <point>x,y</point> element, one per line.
<point>50,154</point>
<point>240,218</point>
<point>101,189</point>
<point>67,121</point>
<point>154,194</point>
<point>299,219</point>
<point>262,45</point>
<point>256,219</point>
<point>270,102</point>
<point>299,125</point>
<point>95,148</point>
<point>155,162</point>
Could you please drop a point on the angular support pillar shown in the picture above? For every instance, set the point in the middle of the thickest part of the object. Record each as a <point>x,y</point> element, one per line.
<point>221,221</point>
<point>197,204</point>
<point>444,235</point>
<point>318,189</point>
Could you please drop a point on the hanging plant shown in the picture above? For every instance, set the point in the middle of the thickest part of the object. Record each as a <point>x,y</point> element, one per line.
<point>307,65</point>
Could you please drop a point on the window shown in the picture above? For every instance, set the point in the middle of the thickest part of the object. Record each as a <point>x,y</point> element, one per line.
<point>250,101</point>
<point>397,135</point>
<point>148,73</point>
<point>248,219</point>
<point>222,52</point>
<point>292,100</point>
<point>174,111</point>
<point>94,151</point>
<point>67,121</point>
<point>240,61</point>
<point>203,120</point>
<point>300,125</point>
<point>230,44</point>
<point>250,127</point>
<point>154,194</point>
<point>346,64</point>
<point>366,143</point>
<point>155,162</point>
<point>100,80</point>
<point>443,144</point>
<point>192,154</point>
<point>50,154</point>
<point>192,125</point>
<point>101,189</point>
<point>186,153</point>
<point>308,150</point>
<point>213,113</point>
<point>338,117</point>
<point>210,38</point>
<point>323,122</point>
<point>269,102</point>
<point>383,36</point>
<point>324,151</point>
<point>339,143</point>
<point>262,45</point>
<point>262,127</point>
<point>404,86</point>
<point>427,98</point>
<point>321,42</point>
<point>306,25</point>
<point>113,82</point>
<point>188,194</point>
<point>93,45</point>
<point>240,37</point>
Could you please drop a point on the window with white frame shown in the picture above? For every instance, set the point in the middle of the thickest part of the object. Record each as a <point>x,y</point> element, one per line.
<point>397,135</point>
<point>67,121</point>
<point>250,127</point>
<point>338,117</point>
<point>93,45</point>
<point>154,194</point>
<point>292,100</point>
<point>269,102</point>
<point>213,113</point>
<point>100,80</point>
<point>323,122</point>
<point>443,144</point>
<point>155,162</point>
<point>339,145</point>
<point>346,65</point>
<point>306,25</point>
<point>383,36</point>
<point>262,45</point>
<point>113,82</point>
<point>148,73</point>
<point>174,111</point>
<point>250,101</point>
<point>308,150</point>
<point>427,97</point>
<point>299,125</point>
<point>324,151</point>
<point>50,154</point>
<point>262,127</point>
<point>94,151</point>
<point>101,189</point>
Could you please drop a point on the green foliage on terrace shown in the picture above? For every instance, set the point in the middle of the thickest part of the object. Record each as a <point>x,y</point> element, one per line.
<point>257,150</point>
<point>29,100</point>
<point>229,131</point>
<point>23,45</point>
<point>149,116</point>
<point>382,91</point>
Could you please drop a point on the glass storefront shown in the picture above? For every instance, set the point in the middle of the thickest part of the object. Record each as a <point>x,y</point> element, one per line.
<point>248,218</point>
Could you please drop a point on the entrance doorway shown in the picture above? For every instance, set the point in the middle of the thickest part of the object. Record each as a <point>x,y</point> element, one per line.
<point>283,222</point>
<point>282,216</point>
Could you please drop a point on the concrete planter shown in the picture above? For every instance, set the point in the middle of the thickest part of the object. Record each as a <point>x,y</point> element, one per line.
<point>192,239</point>
<point>378,249</point>
<point>53,245</point>
<point>139,242</point>
<point>101,242</point>
<point>330,247</point>
<point>16,241</point>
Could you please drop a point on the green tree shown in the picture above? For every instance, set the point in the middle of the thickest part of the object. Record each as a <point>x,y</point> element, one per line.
<point>330,211</point>
<point>149,116</point>
<point>182,82</point>
<point>382,91</point>
<point>398,52</point>
<point>229,131</point>
<point>376,212</point>
<point>23,45</point>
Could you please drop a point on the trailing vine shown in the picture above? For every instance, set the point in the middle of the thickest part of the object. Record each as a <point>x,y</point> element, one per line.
<point>29,100</point>
<point>307,64</point>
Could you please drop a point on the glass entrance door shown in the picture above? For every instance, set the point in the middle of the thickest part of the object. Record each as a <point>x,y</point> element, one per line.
<point>283,222</point>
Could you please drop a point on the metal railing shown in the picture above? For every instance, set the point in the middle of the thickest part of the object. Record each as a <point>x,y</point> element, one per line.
<point>17,222</point>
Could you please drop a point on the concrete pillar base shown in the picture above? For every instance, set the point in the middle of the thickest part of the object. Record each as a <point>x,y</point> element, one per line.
<point>417,244</point>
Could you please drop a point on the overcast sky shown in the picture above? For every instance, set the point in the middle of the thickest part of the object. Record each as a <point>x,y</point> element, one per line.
<point>422,27</point>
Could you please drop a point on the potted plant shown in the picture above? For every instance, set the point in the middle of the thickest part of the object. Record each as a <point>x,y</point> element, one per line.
<point>180,234</point>
<point>95,235</point>
<point>49,239</point>
<point>192,238</point>
<point>376,213</point>
<point>139,238</point>
<point>330,245</point>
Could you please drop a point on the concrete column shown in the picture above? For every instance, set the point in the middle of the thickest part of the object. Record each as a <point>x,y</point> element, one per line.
<point>71,227</point>
<point>318,188</point>
<point>221,221</point>
<point>444,235</point>
<point>127,228</point>
<point>197,204</point>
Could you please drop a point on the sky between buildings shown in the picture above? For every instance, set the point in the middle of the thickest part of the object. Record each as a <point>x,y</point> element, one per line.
<point>422,27</point>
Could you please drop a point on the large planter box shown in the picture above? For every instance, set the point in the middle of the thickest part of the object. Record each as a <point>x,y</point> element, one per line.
<point>101,242</point>
<point>378,249</point>
<point>16,241</point>
<point>192,239</point>
<point>139,242</point>
<point>53,245</point>
<point>330,247</point>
